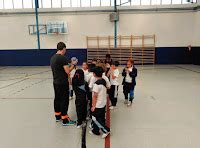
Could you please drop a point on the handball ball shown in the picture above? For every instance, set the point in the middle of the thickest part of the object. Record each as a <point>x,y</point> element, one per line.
<point>74,59</point>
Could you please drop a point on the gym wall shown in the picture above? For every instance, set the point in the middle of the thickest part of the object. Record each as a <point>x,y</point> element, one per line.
<point>174,32</point>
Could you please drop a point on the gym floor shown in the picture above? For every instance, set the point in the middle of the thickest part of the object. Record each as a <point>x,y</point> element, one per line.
<point>165,113</point>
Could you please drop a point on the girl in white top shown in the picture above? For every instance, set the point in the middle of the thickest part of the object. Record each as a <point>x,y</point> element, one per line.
<point>71,75</point>
<point>86,71</point>
<point>129,81</point>
<point>113,74</point>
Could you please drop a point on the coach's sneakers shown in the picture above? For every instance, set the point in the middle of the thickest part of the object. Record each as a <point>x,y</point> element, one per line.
<point>105,135</point>
<point>58,118</point>
<point>68,123</point>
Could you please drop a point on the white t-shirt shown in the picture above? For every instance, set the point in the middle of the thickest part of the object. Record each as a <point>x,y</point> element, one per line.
<point>101,90</point>
<point>93,80</point>
<point>86,72</point>
<point>115,80</point>
<point>128,79</point>
<point>87,75</point>
<point>72,73</point>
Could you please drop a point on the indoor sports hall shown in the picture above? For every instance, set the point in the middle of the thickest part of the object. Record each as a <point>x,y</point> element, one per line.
<point>159,38</point>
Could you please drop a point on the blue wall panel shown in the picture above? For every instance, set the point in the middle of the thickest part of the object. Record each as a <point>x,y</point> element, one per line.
<point>32,57</point>
<point>177,55</point>
<point>164,55</point>
<point>173,55</point>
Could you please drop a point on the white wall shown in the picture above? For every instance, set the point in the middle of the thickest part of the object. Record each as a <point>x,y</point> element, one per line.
<point>171,29</point>
<point>197,30</point>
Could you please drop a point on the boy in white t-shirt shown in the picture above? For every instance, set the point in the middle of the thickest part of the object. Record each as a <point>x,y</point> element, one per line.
<point>113,74</point>
<point>99,101</point>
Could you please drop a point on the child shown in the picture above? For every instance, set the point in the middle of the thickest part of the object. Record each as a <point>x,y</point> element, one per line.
<point>86,71</point>
<point>129,73</point>
<point>113,74</point>
<point>99,101</point>
<point>94,61</point>
<point>108,62</point>
<point>71,75</point>
<point>93,78</point>
<point>81,89</point>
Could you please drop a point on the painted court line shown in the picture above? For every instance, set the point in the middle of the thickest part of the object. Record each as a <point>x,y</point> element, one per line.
<point>14,83</point>
<point>6,98</point>
<point>188,69</point>
<point>107,140</point>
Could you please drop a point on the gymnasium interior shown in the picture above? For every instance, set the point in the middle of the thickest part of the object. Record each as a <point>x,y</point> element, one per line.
<point>161,36</point>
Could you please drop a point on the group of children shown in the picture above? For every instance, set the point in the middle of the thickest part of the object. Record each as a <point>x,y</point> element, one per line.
<point>91,85</point>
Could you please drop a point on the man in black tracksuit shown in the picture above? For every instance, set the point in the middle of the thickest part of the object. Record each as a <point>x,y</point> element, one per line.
<point>81,90</point>
<point>129,73</point>
<point>60,71</point>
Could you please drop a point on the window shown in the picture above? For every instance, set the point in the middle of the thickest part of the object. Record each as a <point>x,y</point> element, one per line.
<point>76,3</point>
<point>190,2</point>
<point>28,3</point>
<point>56,3</point>
<point>66,3</point>
<point>166,2</point>
<point>85,3</point>
<point>145,2</point>
<point>125,2</point>
<point>95,3</point>
<point>155,2</point>
<point>135,2</point>
<point>118,2</point>
<point>46,3</point>
<point>8,4</point>
<point>17,4</point>
<point>176,1</point>
<point>1,4</point>
<point>105,2</point>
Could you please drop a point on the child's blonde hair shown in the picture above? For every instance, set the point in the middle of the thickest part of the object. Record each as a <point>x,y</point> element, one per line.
<point>102,65</point>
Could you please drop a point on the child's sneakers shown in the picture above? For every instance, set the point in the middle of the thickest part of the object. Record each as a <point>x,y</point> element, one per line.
<point>79,126</point>
<point>129,103</point>
<point>90,126</point>
<point>105,135</point>
<point>112,107</point>
<point>126,102</point>
<point>90,132</point>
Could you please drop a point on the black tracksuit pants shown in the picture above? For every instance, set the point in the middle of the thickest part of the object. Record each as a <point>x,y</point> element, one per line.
<point>61,100</point>
<point>113,94</point>
<point>99,121</point>
<point>128,89</point>
<point>81,108</point>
